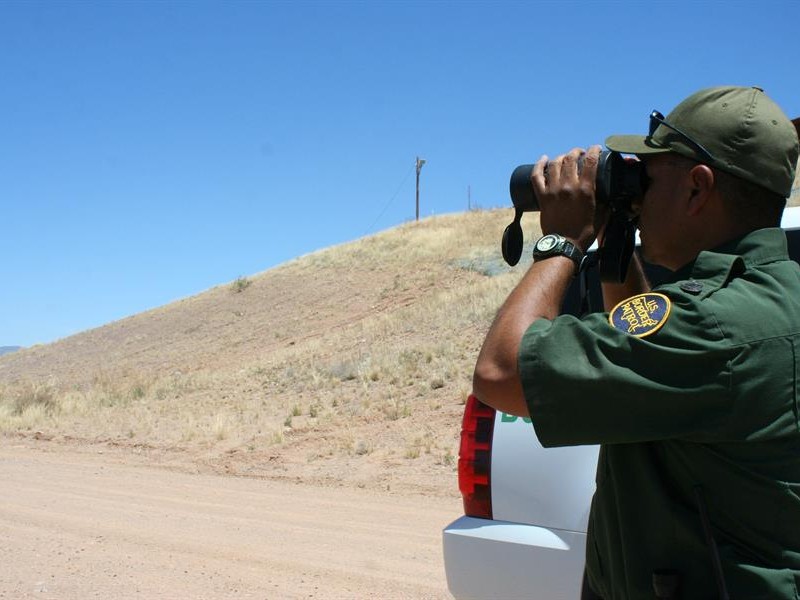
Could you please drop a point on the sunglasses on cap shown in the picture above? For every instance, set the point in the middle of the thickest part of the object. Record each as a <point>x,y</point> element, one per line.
<point>656,119</point>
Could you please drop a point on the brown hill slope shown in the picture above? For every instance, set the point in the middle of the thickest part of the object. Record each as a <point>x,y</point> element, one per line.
<point>346,366</point>
<point>349,365</point>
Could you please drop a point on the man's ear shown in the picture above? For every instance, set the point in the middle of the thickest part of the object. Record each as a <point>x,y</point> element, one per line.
<point>701,180</point>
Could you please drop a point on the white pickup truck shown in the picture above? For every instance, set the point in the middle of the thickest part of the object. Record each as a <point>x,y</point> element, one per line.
<point>526,508</point>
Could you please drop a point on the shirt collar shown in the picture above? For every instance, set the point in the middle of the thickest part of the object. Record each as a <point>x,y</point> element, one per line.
<point>756,248</point>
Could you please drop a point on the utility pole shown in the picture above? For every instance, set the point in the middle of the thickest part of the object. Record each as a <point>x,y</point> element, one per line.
<point>420,162</point>
<point>469,197</point>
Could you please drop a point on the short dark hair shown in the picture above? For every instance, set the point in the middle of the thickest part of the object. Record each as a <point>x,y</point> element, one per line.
<point>751,204</point>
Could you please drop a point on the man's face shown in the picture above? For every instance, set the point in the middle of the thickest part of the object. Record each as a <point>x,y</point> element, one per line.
<point>660,213</point>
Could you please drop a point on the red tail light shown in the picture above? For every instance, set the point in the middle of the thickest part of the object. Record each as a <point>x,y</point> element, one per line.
<point>475,459</point>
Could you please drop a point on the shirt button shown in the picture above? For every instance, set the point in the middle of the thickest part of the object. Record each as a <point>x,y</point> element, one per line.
<point>692,286</point>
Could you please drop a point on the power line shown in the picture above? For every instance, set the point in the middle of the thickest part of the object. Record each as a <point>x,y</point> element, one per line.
<point>386,206</point>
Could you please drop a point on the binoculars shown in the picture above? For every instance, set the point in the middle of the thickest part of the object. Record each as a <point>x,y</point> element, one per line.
<point>619,181</point>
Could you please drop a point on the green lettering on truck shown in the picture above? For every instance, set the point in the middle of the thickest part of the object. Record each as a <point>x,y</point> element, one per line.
<point>506,418</point>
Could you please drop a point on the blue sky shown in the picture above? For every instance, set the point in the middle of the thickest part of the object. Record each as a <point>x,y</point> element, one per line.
<point>152,150</point>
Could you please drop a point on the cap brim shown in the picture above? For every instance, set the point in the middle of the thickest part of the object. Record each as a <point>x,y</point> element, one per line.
<point>634,144</point>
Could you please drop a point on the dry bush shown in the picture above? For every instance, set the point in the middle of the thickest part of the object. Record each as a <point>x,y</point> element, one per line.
<point>27,406</point>
<point>341,354</point>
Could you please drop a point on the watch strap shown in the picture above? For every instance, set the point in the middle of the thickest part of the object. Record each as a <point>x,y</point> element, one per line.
<point>563,247</point>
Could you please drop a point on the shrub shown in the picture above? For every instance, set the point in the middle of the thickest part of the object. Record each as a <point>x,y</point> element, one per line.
<point>240,285</point>
<point>34,397</point>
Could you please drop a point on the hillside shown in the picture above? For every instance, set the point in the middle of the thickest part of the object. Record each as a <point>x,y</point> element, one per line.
<point>346,366</point>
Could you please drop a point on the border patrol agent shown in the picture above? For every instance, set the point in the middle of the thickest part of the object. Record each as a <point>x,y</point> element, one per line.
<point>693,388</point>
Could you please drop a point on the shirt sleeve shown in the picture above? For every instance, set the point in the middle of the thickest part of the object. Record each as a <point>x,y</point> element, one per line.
<point>587,382</point>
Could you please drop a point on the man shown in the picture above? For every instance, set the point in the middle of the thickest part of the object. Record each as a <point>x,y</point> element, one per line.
<point>692,389</point>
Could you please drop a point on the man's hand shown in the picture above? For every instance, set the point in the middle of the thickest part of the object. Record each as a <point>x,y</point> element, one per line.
<point>566,197</point>
<point>567,204</point>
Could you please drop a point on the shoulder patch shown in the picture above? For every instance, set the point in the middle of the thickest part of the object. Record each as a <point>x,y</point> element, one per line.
<point>641,315</point>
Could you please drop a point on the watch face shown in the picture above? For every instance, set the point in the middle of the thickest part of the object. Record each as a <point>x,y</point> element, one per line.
<point>546,243</point>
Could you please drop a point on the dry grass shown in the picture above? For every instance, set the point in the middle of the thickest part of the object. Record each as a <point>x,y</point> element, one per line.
<point>348,365</point>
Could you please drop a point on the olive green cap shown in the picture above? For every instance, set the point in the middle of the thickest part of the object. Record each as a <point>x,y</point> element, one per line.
<point>745,133</point>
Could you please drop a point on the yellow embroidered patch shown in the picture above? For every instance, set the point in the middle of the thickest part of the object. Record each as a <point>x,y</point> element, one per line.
<point>641,315</point>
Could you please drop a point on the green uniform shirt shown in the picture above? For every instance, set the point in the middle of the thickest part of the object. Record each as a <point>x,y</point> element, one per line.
<point>709,399</point>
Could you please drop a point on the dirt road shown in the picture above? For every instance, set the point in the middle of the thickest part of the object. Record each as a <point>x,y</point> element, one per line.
<point>83,525</point>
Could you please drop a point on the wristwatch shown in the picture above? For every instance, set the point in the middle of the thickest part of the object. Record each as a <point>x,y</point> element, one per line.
<point>557,245</point>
